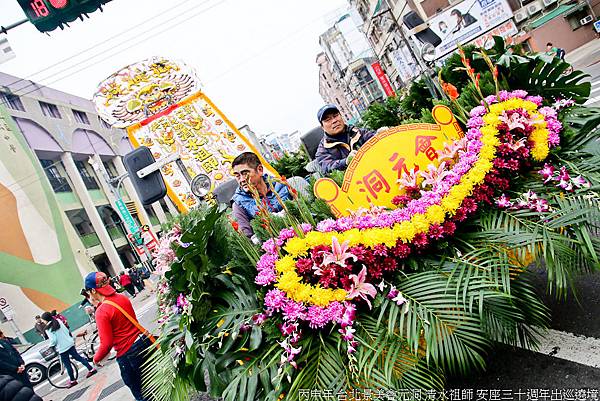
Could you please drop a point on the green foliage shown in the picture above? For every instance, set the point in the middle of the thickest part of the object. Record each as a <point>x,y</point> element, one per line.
<point>451,71</point>
<point>385,114</point>
<point>417,98</point>
<point>292,165</point>
<point>547,78</point>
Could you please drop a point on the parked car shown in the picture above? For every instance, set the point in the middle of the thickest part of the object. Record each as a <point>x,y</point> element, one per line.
<point>37,358</point>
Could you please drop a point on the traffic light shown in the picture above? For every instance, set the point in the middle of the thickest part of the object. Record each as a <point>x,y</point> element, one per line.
<point>150,188</point>
<point>48,15</point>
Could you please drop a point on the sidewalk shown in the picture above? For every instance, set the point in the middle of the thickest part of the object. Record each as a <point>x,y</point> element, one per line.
<point>106,385</point>
<point>585,55</point>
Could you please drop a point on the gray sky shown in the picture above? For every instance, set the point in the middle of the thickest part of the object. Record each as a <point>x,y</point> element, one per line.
<point>256,59</point>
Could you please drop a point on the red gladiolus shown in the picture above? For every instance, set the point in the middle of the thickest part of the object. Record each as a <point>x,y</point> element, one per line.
<point>451,91</point>
<point>235,225</point>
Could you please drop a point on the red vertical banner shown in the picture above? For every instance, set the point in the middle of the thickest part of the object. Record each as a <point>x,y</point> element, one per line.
<point>383,79</point>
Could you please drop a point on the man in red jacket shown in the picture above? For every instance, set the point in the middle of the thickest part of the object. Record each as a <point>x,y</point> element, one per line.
<point>116,330</point>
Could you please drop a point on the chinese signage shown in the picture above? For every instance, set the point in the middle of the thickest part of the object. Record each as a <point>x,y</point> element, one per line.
<point>150,242</point>
<point>383,79</point>
<point>466,21</point>
<point>372,176</point>
<point>160,103</point>
<point>126,216</point>
<point>143,89</point>
<point>204,138</point>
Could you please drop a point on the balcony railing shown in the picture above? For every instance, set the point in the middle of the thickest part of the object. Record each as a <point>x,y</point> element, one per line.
<point>90,240</point>
<point>60,184</point>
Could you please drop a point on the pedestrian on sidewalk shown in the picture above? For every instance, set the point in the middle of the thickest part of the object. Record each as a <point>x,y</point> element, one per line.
<point>62,339</point>
<point>11,362</point>
<point>118,327</point>
<point>40,327</point>
<point>12,389</point>
<point>136,278</point>
<point>125,280</point>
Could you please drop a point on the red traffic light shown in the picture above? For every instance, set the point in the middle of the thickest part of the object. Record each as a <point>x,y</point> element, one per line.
<point>48,15</point>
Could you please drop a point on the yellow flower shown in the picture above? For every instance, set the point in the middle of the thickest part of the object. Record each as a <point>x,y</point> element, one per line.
<point>450,204</point>
<point>288,282</point>
<point>354,237</point>
<point>406,231</point>
<point>420,223</point>
<point>296,246</point>
<point>435,214</point>
<point>285,264</point>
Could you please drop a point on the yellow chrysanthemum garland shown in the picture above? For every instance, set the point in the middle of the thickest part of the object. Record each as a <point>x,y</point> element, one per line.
<point>291,283</point>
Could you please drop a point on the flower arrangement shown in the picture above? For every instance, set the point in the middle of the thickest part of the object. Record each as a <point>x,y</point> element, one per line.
<point>390,298</point>
<point>317,276</point>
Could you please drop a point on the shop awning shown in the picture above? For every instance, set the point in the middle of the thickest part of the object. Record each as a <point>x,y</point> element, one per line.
<point>560,10</point>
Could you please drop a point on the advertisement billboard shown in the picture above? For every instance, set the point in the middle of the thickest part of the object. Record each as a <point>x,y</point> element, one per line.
<point>466,21</point>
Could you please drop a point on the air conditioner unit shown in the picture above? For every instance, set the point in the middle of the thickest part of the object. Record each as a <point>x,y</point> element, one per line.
<point>586,20</point>
<point>521,15</point>
<point>548,2</point>
<point>534,8</point>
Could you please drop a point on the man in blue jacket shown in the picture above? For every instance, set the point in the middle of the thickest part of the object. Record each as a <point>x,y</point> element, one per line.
<point>249,173</point>
<point>340,142</point>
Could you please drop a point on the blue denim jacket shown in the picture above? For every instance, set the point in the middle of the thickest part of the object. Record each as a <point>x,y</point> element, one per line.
<point>244,201</point>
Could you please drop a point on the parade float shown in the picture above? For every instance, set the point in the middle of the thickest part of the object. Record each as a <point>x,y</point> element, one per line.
<point>406,269</point>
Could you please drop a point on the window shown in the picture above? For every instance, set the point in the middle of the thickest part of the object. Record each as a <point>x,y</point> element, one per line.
<point>57,181</point>
<point>11,101</point>
<point>104,123</point>
<point>89,181</point>
<point>50,110</point>
<point>110,169</point>
<point>81,117</point>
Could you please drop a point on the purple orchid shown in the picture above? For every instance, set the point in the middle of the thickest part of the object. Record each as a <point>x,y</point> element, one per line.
<point>504,202</point>
<point>547,172</point>
<point>581,182</point>
<point>360,288</point>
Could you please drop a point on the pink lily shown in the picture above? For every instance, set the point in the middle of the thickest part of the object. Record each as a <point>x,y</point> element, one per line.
<point>338,254</point>
<point>409,179</point>
<point>360,288</point>
<point>452,148</point>
<point>514,121</point>
<point>433,175</point>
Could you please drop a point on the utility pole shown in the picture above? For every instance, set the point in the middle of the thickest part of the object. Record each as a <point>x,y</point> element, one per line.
<point>417,58</point>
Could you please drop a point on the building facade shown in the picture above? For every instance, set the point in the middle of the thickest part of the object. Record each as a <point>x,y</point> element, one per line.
<point>346,74</point>
<point>56,156</point>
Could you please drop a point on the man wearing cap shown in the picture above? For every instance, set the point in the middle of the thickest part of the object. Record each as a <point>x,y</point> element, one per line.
<point>340,142</point>
<point>249,173</point>
<point>115,329</point>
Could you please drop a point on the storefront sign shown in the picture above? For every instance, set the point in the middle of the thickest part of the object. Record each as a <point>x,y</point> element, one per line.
<point>383,79</point>
<point>466,21</point>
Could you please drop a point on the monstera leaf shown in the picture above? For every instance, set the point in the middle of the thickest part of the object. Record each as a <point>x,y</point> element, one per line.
<point>547,78</point>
